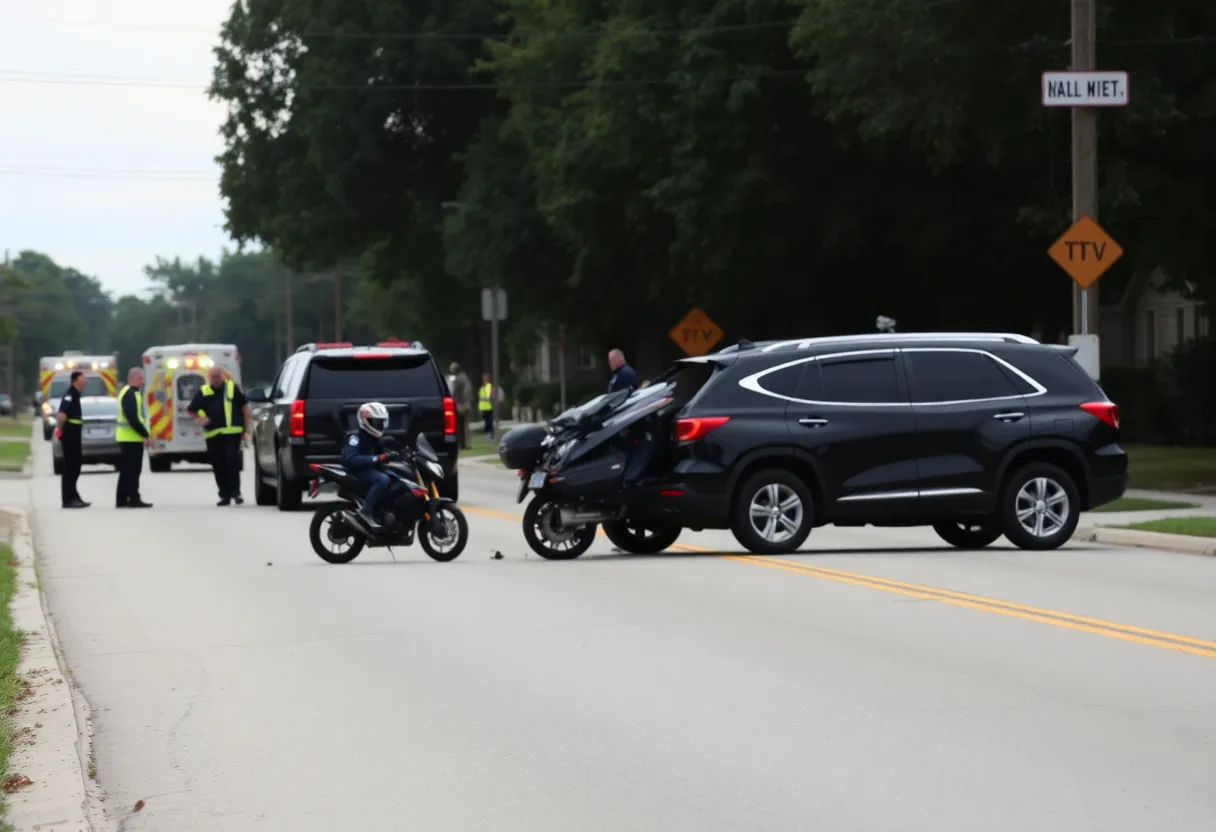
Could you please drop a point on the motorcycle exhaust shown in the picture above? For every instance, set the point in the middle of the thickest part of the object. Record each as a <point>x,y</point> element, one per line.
<point>571,517</point>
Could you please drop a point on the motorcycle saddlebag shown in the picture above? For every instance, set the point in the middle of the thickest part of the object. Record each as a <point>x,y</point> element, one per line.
<point>520,447</point>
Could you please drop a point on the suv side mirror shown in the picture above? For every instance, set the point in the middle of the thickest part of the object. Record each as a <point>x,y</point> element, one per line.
<point>257,395</point>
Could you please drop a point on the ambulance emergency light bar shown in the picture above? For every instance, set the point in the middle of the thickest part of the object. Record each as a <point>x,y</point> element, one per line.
<point>190,361</point>
<point>71,365</point>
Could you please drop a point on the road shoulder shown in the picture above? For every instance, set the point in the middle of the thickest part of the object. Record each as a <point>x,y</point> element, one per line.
<point>51,722</point>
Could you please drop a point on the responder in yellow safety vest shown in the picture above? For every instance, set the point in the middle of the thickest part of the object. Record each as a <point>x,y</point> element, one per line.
<point>221,407</point>
<point>485,404</point>
<point>132,434</point>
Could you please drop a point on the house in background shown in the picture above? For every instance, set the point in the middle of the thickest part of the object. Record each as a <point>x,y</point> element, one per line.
<point>1149,322</point>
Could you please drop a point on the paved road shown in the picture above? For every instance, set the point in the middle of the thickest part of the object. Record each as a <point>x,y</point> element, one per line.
<point>832,690</point>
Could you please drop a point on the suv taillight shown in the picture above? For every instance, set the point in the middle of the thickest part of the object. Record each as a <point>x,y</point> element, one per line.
<point>296,426</point>
<point>449,416</point>
<point>690,430</point>
<point>1106,411</point>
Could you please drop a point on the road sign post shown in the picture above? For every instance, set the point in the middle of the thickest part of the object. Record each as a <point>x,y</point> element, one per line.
<point>1085,251</point>
<point>494,309</point>
<point>696,334</point>
<point>1084,89</point>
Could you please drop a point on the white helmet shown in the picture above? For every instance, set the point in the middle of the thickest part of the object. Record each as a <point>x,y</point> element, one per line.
<point>373,418</point>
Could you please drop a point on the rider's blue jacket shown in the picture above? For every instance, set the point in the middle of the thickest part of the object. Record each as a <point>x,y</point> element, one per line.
<point>360,451</point>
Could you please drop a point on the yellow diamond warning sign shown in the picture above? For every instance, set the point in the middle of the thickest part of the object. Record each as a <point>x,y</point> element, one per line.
<point>1085,251</point>
<point>696,334</point>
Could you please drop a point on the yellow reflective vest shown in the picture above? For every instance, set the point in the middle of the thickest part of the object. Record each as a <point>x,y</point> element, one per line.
<point>484,398</point>
<point>123,432</point>
<point>227,427</point>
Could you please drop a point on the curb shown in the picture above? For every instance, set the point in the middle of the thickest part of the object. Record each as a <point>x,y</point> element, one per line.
<point>50,747</point>
<point>1184,543</point>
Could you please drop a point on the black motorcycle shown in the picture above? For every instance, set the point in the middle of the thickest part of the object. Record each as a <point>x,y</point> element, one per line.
<point>411,505</point>
<point>589,466</point>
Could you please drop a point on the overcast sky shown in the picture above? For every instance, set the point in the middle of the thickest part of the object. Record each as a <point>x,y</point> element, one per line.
<point>62,133</point>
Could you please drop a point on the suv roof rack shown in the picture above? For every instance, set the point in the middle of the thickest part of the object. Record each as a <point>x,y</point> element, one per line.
<point>391,343</point>
<point>904,337</point>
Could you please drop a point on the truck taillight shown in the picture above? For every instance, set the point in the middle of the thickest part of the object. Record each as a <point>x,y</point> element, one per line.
<point>296,426</point>
<point>449,416</point>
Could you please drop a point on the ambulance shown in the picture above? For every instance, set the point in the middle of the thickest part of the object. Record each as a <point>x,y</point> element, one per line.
<point>55,374</point>
<point>173,374</point>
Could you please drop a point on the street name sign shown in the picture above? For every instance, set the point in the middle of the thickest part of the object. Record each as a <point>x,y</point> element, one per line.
<point>1085,89</point>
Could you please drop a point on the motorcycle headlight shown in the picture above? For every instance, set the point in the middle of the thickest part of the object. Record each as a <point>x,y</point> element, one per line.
<point>435,468</point>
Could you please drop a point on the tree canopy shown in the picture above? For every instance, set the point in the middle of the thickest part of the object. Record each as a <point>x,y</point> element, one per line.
<point>792,167</point>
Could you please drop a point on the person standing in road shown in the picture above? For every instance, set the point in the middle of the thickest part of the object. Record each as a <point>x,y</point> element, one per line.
<point>221,407</point>
<point>485,404</point>
<point>462,392</point>
<point>132,435</point>
<point>70,423</point>
<point>624,377</point>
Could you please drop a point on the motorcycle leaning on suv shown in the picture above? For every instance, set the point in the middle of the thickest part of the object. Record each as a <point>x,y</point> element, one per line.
<point>411,507</point>
<point>585,467</point>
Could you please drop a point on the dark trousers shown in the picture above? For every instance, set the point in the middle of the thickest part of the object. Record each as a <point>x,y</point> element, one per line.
<point>71,468</point>
<point>462,429</point>
<point>488,416</point>
<point>224,450</point>
<point>130,466</point>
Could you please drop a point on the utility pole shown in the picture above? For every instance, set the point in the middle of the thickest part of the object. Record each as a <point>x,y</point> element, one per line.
<point>1085,314</point>
<point>494,356</point>
<point>338,301</point>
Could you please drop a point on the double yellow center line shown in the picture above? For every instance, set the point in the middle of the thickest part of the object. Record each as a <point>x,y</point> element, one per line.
<point>1069,621</point>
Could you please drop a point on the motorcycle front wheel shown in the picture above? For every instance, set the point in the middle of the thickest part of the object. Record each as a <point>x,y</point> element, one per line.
<point>332,539</point>
<point>548,538</point>
<point>448,545</point>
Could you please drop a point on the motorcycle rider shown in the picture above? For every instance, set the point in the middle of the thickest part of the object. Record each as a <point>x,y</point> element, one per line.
<point>361,455</point>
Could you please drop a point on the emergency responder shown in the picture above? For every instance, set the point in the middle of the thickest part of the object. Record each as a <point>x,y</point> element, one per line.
<point>69,423</point>
<point>224,413</point>
<point>485,404</point>
<point>132,435</point>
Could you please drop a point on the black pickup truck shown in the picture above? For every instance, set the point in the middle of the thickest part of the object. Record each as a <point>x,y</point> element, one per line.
<point>304,415</point>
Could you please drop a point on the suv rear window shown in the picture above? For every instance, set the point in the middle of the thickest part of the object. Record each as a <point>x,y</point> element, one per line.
<point>369,379</point>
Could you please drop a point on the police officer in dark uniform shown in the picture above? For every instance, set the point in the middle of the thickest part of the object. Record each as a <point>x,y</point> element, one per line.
<point>69,424</point>
<point>222,408</point>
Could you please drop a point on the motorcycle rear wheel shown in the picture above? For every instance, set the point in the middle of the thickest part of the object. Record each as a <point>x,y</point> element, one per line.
<point>447,514</point>
<point>318,535</point>
<point>545,536</point>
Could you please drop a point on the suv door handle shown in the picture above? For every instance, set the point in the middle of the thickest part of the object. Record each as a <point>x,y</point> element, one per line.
<point>814,423</point>
<point>1009,417</point>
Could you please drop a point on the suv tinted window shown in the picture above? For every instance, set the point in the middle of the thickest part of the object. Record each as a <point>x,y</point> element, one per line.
<point>367,379</point>
<point>869,380</point>
<point>785,382</point>
<point>952,375</point>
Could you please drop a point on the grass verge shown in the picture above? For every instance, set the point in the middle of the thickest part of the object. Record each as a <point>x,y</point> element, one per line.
<point>1160,468</point>
<point>1194,526</point>
<point>1140,504</point>
<point>13,455</point>
<point>19,427</point>
<point>10,654</point>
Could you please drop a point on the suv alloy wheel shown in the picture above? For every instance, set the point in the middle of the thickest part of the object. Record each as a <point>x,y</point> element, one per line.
<point>774,512</point>
<point>1039,507</point>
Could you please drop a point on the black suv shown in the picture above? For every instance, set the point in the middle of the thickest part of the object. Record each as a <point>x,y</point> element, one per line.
<point>302,419</point>
<point>976,435</point>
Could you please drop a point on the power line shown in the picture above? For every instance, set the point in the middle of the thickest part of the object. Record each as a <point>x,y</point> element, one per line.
<point>674,79</point>
<point>456,36</point>
<point>108,173</point>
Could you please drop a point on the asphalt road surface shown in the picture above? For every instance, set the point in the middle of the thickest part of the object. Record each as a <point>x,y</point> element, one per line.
<point>876,682</point>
